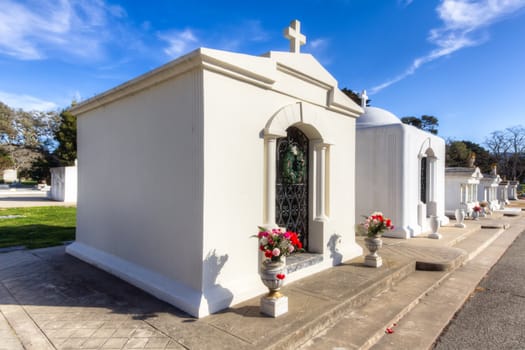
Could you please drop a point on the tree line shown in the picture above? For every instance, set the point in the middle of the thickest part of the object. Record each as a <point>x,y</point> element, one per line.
<point>33,141</point>
<point>504,148</point>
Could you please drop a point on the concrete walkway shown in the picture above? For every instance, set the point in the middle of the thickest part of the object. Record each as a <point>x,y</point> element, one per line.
<point>49,300</point>
<point>18,198</point>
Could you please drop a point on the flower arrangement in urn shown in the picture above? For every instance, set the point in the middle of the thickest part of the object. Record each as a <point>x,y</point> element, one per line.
<point>374,225</point>
<point>277,243</point>
<point>476,211</point>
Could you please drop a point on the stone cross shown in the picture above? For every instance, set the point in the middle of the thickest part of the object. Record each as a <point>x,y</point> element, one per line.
<point>364,98</point>
<point>293,32</point>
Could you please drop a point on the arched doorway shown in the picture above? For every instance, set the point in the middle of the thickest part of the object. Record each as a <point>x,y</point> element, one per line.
<point>291,183</point>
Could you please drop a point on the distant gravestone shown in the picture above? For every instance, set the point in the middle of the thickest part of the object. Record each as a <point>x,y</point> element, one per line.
<point>10,175</point>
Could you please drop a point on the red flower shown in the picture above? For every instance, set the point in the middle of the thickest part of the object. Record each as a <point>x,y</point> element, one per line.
<point>388,223</point>
<point>261,247</point>
<point>280,276</point>
<point>268,253</point>
<point>295,240</point>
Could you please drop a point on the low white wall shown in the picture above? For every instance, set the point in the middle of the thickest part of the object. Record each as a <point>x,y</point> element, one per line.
<point>63,184</point>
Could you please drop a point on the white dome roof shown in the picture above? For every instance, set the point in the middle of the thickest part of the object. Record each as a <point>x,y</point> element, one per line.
<point>374,116</point>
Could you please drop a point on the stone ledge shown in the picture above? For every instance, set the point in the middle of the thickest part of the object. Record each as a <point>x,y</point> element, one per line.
<point>300,261</point>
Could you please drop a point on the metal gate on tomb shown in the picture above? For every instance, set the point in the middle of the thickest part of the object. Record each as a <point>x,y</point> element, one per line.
<point>292,183</point>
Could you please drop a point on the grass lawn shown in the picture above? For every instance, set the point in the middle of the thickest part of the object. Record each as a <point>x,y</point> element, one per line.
<point>37,227</point>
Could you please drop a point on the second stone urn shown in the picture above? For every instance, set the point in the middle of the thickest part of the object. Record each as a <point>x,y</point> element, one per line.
<point>460,217</point>
<point>373,244</point>
<point>434,227</point>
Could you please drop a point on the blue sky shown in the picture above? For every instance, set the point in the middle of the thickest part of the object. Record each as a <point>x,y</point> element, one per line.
<point>461,61</point>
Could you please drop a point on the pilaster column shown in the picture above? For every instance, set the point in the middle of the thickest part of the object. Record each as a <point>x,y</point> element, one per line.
<point>270,142</point>
<point>320,181</point>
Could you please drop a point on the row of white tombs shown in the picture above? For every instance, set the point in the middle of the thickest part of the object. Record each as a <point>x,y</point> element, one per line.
<point>468,189</point>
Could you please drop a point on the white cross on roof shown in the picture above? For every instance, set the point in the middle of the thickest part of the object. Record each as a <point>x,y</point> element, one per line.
<point>364,98</point>
<point>293,32</point>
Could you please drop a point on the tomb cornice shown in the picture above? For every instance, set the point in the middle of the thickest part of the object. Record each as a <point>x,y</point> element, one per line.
<point>251,69</point>
<point>305,77</point>
<point>338,102</point>
<point>157,76</point>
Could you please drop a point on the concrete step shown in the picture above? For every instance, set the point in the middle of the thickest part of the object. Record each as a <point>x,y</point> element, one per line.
<point>364,327</point>
<point>422,326</point>
<point>315,303</point>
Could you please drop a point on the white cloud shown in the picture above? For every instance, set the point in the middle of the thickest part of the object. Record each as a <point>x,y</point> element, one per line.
<point>232,37</point>
<point>179,42</point>
<point>26,102</point>
<point>253,31</point>
<point>318,44</point>
<point>463,21</point>
<point>405,3</point>
<point>31,29</point>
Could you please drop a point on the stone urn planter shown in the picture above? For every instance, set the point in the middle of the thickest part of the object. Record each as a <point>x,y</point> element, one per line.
<point>434,227</point>
<point>460,217</point>
<point>273,304</point>
<point>272,275</point>
<point>275,244</point>
<point>373,244</point>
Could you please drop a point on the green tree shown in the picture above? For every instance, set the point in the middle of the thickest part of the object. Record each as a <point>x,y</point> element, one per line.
<point>355,96</point>
<point>426,122</point>
<point>484,159</point>
<point>459,152</point>
<point>5,160</point>
<point>430,124</point>
<point>414,121</point>
<point>66,136</point>
<point>25,137</point>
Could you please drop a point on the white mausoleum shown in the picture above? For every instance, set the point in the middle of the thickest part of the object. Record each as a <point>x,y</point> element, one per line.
<point>513,190</point>
<point>399,171</point>
<point>503,193</point>
<point>178,167</point>
<point>462,189</point>
<point>489,189</point>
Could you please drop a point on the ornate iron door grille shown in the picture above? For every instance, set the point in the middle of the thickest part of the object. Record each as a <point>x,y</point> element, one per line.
<point>424,180</point>
<point>292,183</point>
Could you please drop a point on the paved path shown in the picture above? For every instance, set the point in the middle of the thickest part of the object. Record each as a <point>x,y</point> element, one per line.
<point>494,316</point>
<point>27,198</point>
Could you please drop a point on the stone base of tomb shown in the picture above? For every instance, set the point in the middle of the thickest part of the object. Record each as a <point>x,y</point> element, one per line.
<point>274,307</point>
<point>434,235</point>
<point>373,260</point>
